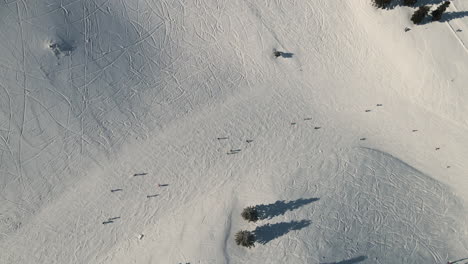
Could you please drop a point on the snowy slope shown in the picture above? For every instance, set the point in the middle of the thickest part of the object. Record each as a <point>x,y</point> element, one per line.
<point>93,92</point>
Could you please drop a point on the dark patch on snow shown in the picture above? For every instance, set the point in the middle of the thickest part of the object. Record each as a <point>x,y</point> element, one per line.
<point>268,211</point>
<point>268,232</point>
<point>61,48</point>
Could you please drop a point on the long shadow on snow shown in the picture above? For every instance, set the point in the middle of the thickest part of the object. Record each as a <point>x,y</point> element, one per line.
<point>268,232</point>
<point>446,17</point>
<point>453,15</point>
<point>349,261</point>
<point>287,55</point>
<point>268,211</point>
<point>395,4</point>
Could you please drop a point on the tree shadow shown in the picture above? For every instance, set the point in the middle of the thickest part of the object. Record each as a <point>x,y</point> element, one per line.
<point>447,16</point>
<point>349,261</point>
<point>268,211</point>
<point>399,3</point>
<point>268,232</point>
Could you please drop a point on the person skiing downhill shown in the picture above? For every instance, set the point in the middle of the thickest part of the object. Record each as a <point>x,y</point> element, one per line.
<point>277,53</point>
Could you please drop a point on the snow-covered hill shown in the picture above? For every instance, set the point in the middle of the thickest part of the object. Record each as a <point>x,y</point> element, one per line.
<point>136,132</point>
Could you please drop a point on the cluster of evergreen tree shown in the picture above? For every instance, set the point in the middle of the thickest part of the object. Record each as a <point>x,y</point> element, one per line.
<point>409,2</point>
<point>247,238</point>
<point>386,3</point>
<point>382,3</point>
<point>421,13</point>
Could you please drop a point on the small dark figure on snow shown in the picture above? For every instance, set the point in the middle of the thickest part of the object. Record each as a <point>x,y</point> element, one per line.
<point>277,53</point>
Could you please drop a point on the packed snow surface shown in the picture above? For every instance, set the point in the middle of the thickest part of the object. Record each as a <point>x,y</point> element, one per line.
<point>136,132</point>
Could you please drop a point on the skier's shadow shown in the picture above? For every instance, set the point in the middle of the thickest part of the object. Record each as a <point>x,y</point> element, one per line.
<point>282,54</point>
<point>287,55</point>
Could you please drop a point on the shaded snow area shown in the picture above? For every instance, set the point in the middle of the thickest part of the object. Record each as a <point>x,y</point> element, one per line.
<point>137,131</point>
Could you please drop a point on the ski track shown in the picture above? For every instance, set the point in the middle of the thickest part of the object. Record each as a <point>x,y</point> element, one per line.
<point>462,43</point>
<point>148,86</point>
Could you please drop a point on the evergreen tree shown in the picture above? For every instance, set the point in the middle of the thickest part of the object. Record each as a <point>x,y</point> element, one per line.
<point>420,14</point>
<point>250,214</point>
<point>437,14</point>
<point>382,3</point>
<point>245,238</point>
<point>409,2</point>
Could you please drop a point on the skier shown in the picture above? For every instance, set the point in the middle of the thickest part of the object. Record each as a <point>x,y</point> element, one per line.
<point>277,53</point>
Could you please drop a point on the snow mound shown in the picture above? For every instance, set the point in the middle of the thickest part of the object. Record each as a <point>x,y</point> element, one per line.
<point>374,208</point>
